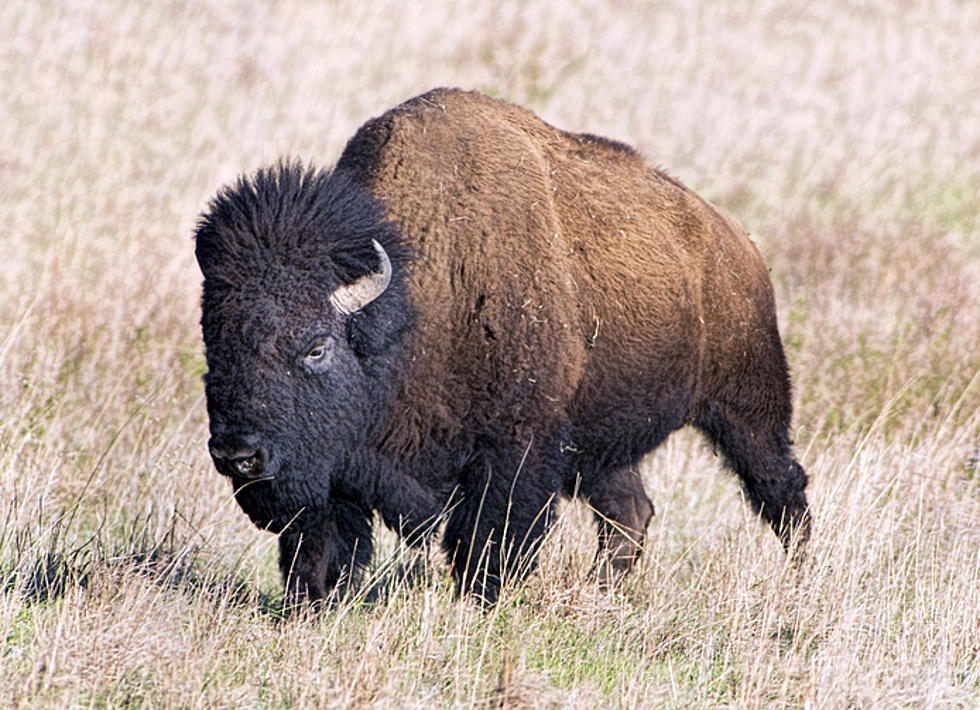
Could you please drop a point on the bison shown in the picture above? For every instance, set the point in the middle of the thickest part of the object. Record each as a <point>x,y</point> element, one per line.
<point>470,316</point>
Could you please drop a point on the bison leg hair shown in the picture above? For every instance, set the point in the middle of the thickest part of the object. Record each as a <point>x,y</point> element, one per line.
<point>495,530</point>
<point>323,554</point>
<point>758,451</point>
<point>622,512</point>
<point>407,507</point>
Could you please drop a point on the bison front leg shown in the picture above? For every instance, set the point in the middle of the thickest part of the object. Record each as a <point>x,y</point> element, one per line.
<point>495,530</point>
<point>321,555</point>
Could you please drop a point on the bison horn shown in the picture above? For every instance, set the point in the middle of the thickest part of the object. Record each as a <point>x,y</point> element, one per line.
<point>353,297</point>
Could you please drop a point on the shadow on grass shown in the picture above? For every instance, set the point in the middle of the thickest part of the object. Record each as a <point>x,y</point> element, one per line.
<point>42,564</point>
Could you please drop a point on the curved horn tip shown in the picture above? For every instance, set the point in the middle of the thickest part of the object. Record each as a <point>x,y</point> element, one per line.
<point>385,261</point>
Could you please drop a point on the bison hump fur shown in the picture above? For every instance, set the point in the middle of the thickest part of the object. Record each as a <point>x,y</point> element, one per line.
<point>470,316</point>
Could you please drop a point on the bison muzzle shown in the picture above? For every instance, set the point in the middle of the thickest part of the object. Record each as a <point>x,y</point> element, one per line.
<point>470,316</point>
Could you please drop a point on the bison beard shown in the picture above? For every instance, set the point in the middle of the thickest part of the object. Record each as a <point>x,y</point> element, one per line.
<point>472,314</point>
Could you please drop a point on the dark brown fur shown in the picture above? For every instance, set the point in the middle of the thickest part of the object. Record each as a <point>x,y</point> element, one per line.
<point>572,307</point>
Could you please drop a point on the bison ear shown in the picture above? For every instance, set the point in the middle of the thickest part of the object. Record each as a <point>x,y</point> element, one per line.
<point>372,334</point>
<point>377,330</point>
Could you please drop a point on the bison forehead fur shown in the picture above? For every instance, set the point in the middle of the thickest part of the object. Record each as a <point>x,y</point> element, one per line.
<point>472,314</point>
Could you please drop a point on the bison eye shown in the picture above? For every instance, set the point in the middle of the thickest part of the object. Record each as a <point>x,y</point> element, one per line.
<point>318,353</point>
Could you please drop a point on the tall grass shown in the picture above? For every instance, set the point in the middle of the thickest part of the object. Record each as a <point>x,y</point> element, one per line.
<point>844,136</point>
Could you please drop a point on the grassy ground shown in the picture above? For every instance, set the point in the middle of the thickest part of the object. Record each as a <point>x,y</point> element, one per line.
<point>845,137</point>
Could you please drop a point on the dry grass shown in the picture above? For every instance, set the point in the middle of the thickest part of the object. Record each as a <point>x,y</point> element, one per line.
<point>845,136</point>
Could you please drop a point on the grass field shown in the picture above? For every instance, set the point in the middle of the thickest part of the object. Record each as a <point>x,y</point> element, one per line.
<point>844,136</point>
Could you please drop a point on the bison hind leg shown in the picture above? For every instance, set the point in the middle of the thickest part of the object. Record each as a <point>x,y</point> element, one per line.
<point>622,512</point>
<point>758,451</point>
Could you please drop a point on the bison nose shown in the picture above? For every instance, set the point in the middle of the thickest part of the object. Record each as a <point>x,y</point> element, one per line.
<point>239,457</point>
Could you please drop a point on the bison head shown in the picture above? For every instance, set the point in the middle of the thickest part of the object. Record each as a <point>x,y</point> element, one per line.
<point>300,317</point>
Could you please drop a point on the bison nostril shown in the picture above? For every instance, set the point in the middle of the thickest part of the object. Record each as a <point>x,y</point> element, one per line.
<point>252,467</point>
<point>247,466</point>
<point>239,458</point>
